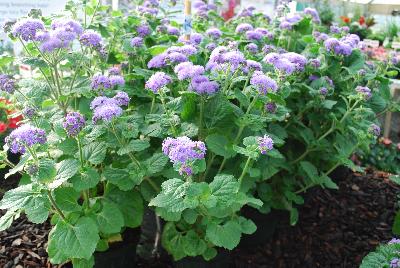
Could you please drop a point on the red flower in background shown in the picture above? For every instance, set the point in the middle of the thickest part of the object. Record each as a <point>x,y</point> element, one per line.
<point>361,20</point>
<point>5,106</point>
<point>345,19</point>
<point>3,127</point>
<point>13,122</point>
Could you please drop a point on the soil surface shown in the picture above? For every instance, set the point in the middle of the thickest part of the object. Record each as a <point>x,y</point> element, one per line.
<point>336,229</point>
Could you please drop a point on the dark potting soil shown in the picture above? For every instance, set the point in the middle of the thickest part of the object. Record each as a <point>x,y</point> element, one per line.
<point>335,229</point>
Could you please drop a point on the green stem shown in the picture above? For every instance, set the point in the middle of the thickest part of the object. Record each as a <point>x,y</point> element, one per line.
<point>168,113</point>
<point>121,143</point>
<point>80,151</point>
<point>54,204</point>
<point>246,167</point>
<point>209,164</point>
<point>153,102</point>
<point>152,184</point>
<point>33,154</point>
<point>201,117</point>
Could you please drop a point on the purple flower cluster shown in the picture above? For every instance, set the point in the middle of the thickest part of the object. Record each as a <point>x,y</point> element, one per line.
<point>338,47</point>
<point>313,13</point>
<point>214,33</point>
<point>315,63</point>
<point>244,27</point>
<point>158,81</point>
<point>25,137</point>
<point>137,42</point>
<point>158,61</point>
<point>149,7</point>
<point>320,37</point>
<point>26,29</point>
<point>251,66</point>
<point>91,39</point>
<point>187,70</point>
<point>143,30</point>
<point>29,112</point>
<point>202,9</point>
<point>176,57</point>
<point>101,82</point>
<point>395,263</point>
<point>223,59</point>
<point>394,241</point>
<point>289,22</point>
<point>263,83</point>
<point>73,123</point>
<point>323,91</point>
<point>182,152</point>
<point>375,130</point>
<point>254,35</point>
<point>365,92</point>
<point>106,109</point>
<point>270,107</point>
<point>202,85</point>
<point>265,144</point>
<point>171,30</point>
<point>114,71</point>
<point>286,62</point>
<point>7,83</point>
<point>268,49</point>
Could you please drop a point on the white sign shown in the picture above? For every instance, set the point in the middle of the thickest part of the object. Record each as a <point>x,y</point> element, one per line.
<point>396,45</point>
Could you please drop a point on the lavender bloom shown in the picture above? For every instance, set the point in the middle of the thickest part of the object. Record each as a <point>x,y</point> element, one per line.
<point>114,71</point>
<point>323,91</point>
<point>143,30</point>
<point>330,82</point>
<point>91,39</point>
<point>263,83</point>
<point>188,50</point>
<point>268,49</point>
<point>27,28</point>
<point>7,83</point>
<point>271,58</point>
<point>122,98</point>
<point>315,63</point>
<point>158,61</point>
<point>243,27</point>
<point>313,77</point>
<point>173,30</point>
<point>253,35</point>
<point>116,80</point>
<point>202,85</point>
<point>51,44</point>
<point>395,263</point>
<point>335,29</point>
<point>338,47</point>
<point>211,46</point>
<point>100,82</point>
<point>29,112</point>
<point>270,107</point>
<point>187,70</point>
<point>265,144</point>
<point>298,60</point>
<point>106,112</point>
<point>70,25</point>
<point>285,25</point>
<point>394,241</point>
<point>252,48</point>
<point>285,66</point>
<point>362,72</point>
<point>365,92</point>
<point>23,137</point>
<point>158,81</point>
<point>100,101</point>
<point>196,38</point>
<point>262,31</point>
<point>234,58</point>
<point>313,13</point>
<point>137,42</point>
<point>73,123</point>
<point>182,152</point>
<point>176,57</point>
<point>214,33</point>
<point>253,65</point>
<point>375,130</point>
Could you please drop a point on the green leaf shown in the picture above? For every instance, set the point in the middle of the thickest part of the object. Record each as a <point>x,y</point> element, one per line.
<point>193,245</point>
<point>19,197</point>
<point>68,146</point>
<point>210,253</point>
<point>224,187</point>
<point>190,216</point>
<point>8,218</point>
<point>311,171</point>
<point>65,169</point>
<point>85,180</point>
<point>110,219</point>
<point>226,235</point>
<point>37,210</point>
<point>34,62</point>
<point>172,241</point>
<point>294,216</point>
<point>328,104</point>
<point>395,178</point>
<point>218,144</point>
<point>156,163</point>
<point>158,49</point>
<point>67,199</point>
<point>95,152</point>
<point>247,225</point>
<point>83,263</point>
<point>47,171</point>
<point>396,224</point>
<point>122,177</point>
<point>77,240</point>
<point>129,203</point>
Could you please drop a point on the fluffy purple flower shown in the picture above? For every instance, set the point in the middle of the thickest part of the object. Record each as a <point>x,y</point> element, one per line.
<point>265,144</point>
<point>323,91</point>
<point>243,27</point>
<point>284,65</point>
<point>214,33</point>
<point>338,47</point>
<point>253,65</point>
<point>395,263</point>
<point>362,72</point>
<point>100,82</point>
<point>158,81</point>
<point>345,29</point>
<point>29,112</point>
<point>335,29</point>
<point>263,83</point>
<point>91,39</point>
<point>234,58</point>
<point>252,48</point>
<point>202,85</point>
<point>262,31</point>
<point>122,98</point>
<point>182,151</point>
<point>271,58</point>
<point>102,100</point>
<point>27,28</point>
<point>313,13</point>
<point>176,57</point>
<point>137,42</point>
<point>114,71</point>
<point>315,63</point>
<point>313,77</point>
<point>365,92</point>
<point>173,30</point>
<point>25,137</point>
<point>211,46</point>
<point>70,25</point>
<point>375,130</point>
<point>187,70</point>
<point>253,35</point>
<point>7,83</point>
<point>330,82</point>
<point>394,241</point>
<point>73,123</point>
<point>298,60</point>
<point>158,61</point>
<point>270,107</point>
<point>106,112</point>
<point>116,80</point>
<point>143,30</point>
<point>196,38</point>
<point>268,49</point>
<point>285,25</point>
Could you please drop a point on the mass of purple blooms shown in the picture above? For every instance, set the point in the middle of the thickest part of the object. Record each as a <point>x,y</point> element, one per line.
<point>263,83</point>
<point>244,27</point>
<point>375,130</point>
<point>137,42</point>
<point>29,112</point>
<point>313,13</point>
<point>270,107</point>
<point>106,109</point>
<point>91,39</point>
<point>202,85</point>
<point>214,33</point>
<point>7,83</point>
<point>395,263</point>
<point>365,92</point>
<point>122,98</point>
<point>25,136</point>
<point>265,144</point>
<point>287,62</point>
<point>186,70</point>
<point>182,151</point>
<point>158,81</point>
<point>27,28</point>
<point>143,30</point>
<point>73,123</point>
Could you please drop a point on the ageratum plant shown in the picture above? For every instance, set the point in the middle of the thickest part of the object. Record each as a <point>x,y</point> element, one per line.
<point>248,113</point>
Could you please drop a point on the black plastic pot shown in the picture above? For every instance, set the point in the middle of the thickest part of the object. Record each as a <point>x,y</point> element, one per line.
<point>266,226</point>
<point>120,254</point>
<point>222,260</point>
